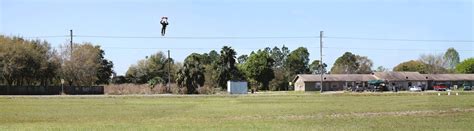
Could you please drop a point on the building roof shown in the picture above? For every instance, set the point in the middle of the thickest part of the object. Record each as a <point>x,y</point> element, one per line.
<point>348,77</point>
<point>335,77</point>
<point>450,77</point>
<point>400,76</point>
<point>388,76</point>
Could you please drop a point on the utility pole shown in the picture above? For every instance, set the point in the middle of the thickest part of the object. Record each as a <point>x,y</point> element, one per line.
<point>169,71</point>
<point>70,42</point>
<point>321,59</point>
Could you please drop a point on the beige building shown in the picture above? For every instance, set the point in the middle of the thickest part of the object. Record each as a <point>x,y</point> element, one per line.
<point>398,80</point>
<point>331,82</point>
<point>453,80</point>
<point>402,80</point>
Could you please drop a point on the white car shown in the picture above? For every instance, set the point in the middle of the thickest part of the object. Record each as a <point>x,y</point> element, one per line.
<point>415,88</point>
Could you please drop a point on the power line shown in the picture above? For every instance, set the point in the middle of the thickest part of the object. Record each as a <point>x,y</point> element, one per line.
<point>200,37</point>
<point>124,48</point>
<point>254,37</point>
<point>47,36</point>
<point>164,48</point>
<point>388,49</point>
<point>385,39</point>
<point>310,47</point>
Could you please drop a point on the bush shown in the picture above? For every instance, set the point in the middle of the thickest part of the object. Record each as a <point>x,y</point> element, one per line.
<point>155,81</point>
<point>119,80</point>
<point>205,90</point>
<point>174,89</point>
<point>124,89</point>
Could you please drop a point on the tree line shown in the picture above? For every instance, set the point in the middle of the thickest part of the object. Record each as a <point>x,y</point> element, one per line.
<point>265,68</point>
<point>274,68</point>
<point>35,63</point>
<point>449,62</point>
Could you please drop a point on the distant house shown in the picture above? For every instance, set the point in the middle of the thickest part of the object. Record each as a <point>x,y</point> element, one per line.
<point>399,80</point>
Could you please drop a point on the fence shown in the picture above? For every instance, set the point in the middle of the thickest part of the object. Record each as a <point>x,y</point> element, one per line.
<point>51,90</point>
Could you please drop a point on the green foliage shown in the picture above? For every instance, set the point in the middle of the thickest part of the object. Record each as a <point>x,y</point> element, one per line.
<point>451,58</point>
<point>297,62</point>
<point>118,80</point>
<point>466,66</point>
<point>315,67</point>
<point>210,74</point>
<point>412,66</point>
<point>27,62</point>
<point>155,81</point>
<point>81,67</point>
<point>33,62</point>
<point>365,65</point>
<point>434,63</point>
<point>213,56</point>
<point>210,64</point>
<point>279,56</point>
<point>191,75</point>
<point>226,69</point>
<point>346,64</point>
<point>280,82</point>
<point>259,68</point>
<point>382,69</point>
<point>157,65</point>
<point>426,64</point>
<point>350,63</point>
<point>242,59</point>
<point>105,69</point>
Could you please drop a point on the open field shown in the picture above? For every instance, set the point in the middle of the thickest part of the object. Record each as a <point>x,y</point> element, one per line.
<point>267,111</point>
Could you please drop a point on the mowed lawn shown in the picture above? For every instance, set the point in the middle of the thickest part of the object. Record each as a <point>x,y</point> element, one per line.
<point>279,111</point>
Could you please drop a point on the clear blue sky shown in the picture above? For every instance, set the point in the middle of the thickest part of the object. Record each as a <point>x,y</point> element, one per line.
<point>406,19</point>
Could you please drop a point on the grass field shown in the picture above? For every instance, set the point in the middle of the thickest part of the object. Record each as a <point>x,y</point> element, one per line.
<point>280,111</point>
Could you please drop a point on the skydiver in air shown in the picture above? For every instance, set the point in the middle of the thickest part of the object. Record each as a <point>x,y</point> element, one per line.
<point>164,23</point>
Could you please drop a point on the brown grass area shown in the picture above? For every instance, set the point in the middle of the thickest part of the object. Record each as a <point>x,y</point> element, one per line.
<point>125,89</point>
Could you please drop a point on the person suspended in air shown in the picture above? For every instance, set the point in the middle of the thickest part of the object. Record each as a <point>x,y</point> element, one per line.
<point>164,23</point>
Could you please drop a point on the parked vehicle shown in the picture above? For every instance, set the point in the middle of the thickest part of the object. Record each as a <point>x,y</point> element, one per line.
<point>378,85</point>
<point>467,87</point>
<point>415,88</point>
<point>440,87</point>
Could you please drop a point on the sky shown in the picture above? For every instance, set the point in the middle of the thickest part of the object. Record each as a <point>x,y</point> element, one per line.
<point>377,19</point>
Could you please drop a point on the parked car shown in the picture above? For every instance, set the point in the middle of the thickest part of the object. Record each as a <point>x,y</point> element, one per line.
<point>359,88</point>
<point>415,88</point>
<point>467,87</point>
<point>377,85</point>
<point>440,87</point>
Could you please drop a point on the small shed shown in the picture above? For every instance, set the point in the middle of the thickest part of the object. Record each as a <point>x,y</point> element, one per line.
<point>237,87</point>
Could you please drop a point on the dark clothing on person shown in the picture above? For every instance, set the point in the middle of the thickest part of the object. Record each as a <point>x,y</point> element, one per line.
<point>164,23</point>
